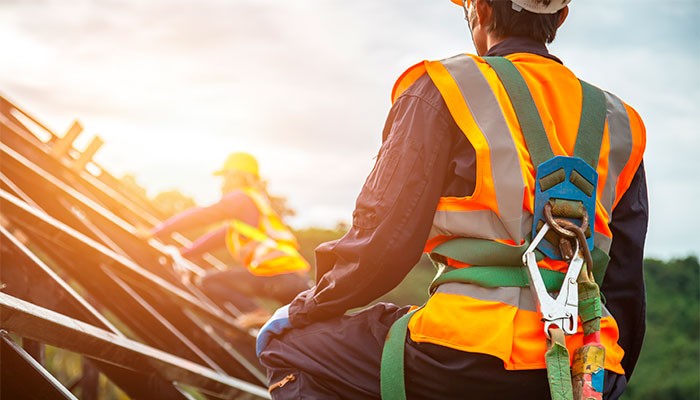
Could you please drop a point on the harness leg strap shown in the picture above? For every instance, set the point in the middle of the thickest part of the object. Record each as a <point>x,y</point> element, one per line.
<point>393,384</point>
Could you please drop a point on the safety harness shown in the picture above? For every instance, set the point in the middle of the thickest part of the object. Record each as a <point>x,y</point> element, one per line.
<point>565,200</point>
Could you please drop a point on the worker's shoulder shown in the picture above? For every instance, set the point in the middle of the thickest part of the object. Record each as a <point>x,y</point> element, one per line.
<point>237,198</point>
<point>416,81</point>
<point>616,103</point>
<point>419,88</point>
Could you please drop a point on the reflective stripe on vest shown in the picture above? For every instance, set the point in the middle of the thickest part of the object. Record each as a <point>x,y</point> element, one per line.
<point>503,322</point>
<point>268,249</point>
<point>514,296</point>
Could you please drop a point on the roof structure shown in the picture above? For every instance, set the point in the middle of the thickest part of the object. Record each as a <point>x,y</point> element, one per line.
<point>76,276</point>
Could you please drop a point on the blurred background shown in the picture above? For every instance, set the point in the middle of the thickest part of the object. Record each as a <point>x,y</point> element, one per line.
<point>174,86</point>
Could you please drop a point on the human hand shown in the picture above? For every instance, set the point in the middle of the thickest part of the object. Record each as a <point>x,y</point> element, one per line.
<point>178,263</point>
<point>275,326</point>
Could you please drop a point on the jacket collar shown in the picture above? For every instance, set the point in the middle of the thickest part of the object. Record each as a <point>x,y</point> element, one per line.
<point>521,45</point>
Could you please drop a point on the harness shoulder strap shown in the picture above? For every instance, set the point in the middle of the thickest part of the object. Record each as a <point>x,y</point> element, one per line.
<point>592,125</point>
<point>525,109</point>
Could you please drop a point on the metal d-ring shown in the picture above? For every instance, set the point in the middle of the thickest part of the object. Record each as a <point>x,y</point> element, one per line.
<point>556,223</point>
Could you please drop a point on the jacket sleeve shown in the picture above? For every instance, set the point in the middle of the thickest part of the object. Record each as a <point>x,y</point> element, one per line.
<point>623,285</point>
<point>392,218</point>
<point>208,242</point>
<point>234,205</point>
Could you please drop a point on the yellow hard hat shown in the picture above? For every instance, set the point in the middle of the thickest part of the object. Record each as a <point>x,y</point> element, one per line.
<point>534,6</point>
<point>239,162</point>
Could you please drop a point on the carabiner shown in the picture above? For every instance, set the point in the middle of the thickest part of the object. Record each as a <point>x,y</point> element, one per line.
<point>562,311</point>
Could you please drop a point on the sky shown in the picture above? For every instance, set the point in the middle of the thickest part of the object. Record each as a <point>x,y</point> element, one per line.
<point>174,86</point>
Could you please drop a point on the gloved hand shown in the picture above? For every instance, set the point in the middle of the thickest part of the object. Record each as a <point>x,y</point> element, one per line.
<point>275,326</point>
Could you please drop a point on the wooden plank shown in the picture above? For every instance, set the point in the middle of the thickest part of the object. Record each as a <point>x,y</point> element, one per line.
<point>61,148</point>
<point>29,320</point>
<point>24,377</point>
<point>96,254</point>
<point>87,154</point>
<point>17,208</point>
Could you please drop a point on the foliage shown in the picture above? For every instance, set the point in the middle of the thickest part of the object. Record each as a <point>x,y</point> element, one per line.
<point>669,366</point>
<point>67,368</point>
<point>310,238</point>
<point>279,204</point>
<point>129,183</point>
<point>172,202</point>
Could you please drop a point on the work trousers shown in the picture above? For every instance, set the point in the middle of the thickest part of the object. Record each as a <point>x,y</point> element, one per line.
<point>340,359</point>
<point>239,287</point>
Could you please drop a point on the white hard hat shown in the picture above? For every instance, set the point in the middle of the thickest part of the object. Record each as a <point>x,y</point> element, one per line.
<point>539,6</point>
<point>535,6</point>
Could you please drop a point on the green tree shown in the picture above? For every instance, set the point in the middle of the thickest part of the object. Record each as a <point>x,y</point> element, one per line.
<point>310,238</point>
<point>172,202</point>
<point>129,183</point>
<point>669,366</point>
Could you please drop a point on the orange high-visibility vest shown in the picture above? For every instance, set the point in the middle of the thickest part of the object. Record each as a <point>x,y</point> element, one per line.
<point>504,321</point>
<point>267,249</point>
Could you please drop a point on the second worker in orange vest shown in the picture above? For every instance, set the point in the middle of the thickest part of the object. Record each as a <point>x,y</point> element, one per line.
<point>254,235</point>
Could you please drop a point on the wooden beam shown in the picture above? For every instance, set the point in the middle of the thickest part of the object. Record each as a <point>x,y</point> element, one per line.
<point>37,323</point>
<point>86,156</point>
<point>21,374</point>
<point>64,144</point>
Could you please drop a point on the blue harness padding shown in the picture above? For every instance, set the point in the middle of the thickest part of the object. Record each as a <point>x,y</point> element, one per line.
<point>568,178</point>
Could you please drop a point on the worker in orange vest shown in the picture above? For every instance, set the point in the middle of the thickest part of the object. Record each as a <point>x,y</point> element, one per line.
<point>518,180</point>
<point>254,235</point>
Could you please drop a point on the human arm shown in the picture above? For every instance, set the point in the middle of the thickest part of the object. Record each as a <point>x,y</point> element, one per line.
<point>208,242</point>
<point>234,205</point>
<point>623,285</point>
<point>393,213</point>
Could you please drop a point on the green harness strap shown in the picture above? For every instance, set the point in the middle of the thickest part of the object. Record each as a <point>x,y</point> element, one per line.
<point>592,125</point>
<point>514,275</point>
<point>587,147</point>
<point>391,376</point>
<point>487,253</point>
<point>496,276</point>
<point>556,358</point>
<point>475,251</point>
<point>525,109</point>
